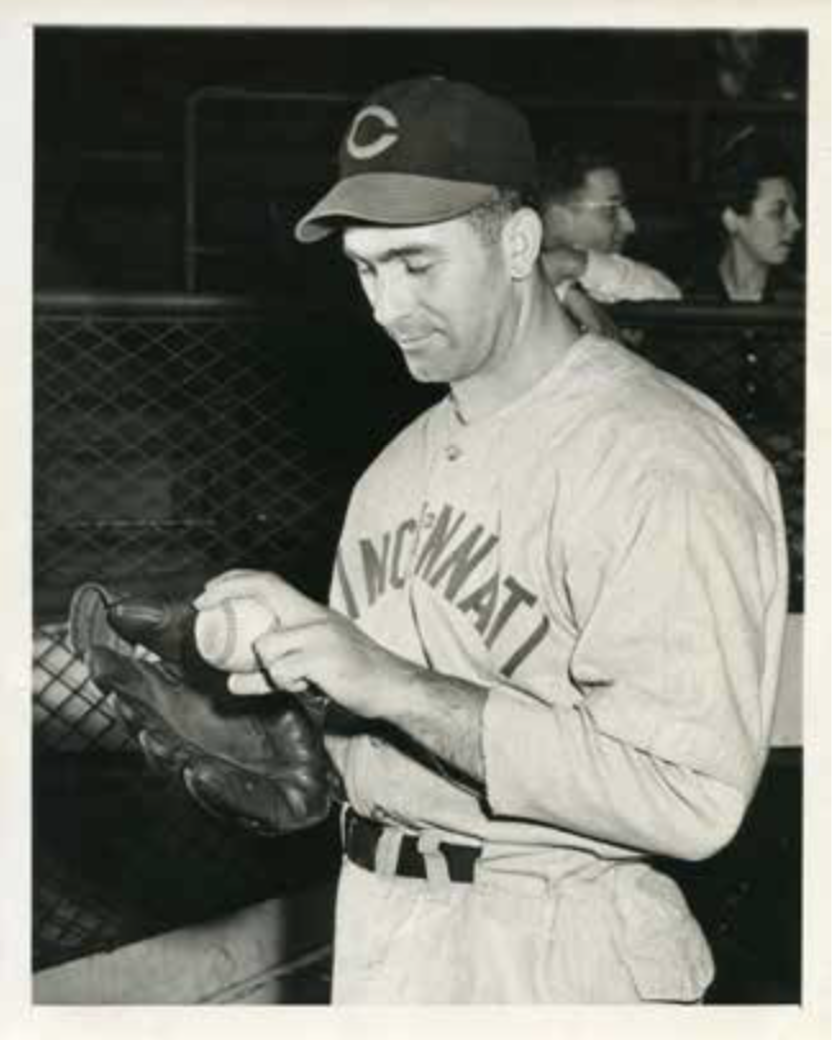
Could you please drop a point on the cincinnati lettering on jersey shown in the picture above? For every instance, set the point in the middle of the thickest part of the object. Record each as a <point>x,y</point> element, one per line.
<point>454,559</point>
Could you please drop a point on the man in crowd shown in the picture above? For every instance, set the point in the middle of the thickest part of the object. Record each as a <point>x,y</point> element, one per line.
<point>586,223</point>
<point>557,603</point>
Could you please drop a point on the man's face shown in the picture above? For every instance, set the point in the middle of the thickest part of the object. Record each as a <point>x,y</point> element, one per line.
<point>594,217</point>
<point>440,292</point>
<point>767,232</point>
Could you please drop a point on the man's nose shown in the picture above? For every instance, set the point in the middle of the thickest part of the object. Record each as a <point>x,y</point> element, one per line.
<point>391,298</point>
<point>627,221</point>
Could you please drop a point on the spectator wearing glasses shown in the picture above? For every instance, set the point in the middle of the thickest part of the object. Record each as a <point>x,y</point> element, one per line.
<point>586,224</point>
<point>752,201</point>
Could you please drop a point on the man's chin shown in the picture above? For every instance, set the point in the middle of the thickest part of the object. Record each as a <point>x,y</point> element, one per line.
<point>421,369</point>
<point>779,258</point>
<point>423,373</point>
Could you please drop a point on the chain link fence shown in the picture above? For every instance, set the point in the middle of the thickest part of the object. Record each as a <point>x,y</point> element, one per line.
<point>752,360</point>
<point>167,447</point>
<point>176,437</point>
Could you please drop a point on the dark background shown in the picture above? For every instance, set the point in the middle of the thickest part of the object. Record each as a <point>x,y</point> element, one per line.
<point>128,143</point>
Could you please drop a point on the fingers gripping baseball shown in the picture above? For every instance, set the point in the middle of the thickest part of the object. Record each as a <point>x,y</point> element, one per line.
<point>286,675</point>
<point>288,657</point>
<point>336,656</point>
<point>307,645</point>
<point>235,609</point>
<point>225,633</point>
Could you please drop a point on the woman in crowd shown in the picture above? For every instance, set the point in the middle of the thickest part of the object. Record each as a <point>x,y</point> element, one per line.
<point>753,199</point>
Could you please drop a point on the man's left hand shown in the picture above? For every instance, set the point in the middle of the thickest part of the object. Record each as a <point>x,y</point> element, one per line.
<point>313,646</point>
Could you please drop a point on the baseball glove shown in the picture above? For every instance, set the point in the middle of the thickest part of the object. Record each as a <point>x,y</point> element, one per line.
<point>161,624</point>
<point>165,626</point>
<point>258,762</point>
<point>89,620</point>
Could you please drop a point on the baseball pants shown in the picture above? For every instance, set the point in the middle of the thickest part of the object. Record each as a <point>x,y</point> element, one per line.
<point>623,937</point>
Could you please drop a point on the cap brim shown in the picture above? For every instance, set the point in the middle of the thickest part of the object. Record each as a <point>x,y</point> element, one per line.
<point>393,199</point>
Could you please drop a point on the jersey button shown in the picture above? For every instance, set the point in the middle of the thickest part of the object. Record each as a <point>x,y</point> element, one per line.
<point>453,452</point>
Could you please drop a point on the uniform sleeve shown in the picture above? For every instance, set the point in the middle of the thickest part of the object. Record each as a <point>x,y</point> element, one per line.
<point>612,278</point>
<point>680,607</point>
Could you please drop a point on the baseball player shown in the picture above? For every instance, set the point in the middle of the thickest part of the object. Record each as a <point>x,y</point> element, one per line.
<point>556,608</point>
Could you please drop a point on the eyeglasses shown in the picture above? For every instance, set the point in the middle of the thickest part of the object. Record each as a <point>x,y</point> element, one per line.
<point>611,210</point>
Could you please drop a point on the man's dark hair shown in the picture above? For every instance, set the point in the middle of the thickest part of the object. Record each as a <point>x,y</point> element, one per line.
<point>488,218</point>
<point>563,171</point>
<point>739,166</point>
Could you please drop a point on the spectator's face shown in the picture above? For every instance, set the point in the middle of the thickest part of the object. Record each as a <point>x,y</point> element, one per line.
<point>768,231</point>
<point>596,217</point>
<point>440,292</point>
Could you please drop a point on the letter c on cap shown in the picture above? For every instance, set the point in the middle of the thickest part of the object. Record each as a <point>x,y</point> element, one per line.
<point>386,140</point>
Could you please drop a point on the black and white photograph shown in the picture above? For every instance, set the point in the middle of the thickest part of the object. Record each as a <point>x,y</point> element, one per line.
<point>419,592</point>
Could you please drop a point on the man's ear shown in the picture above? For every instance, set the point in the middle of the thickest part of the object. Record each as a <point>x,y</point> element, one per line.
<point>521,239</point>
<point>730,220</point>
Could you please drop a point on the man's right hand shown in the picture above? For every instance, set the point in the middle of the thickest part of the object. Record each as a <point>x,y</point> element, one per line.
<point>563,263</point>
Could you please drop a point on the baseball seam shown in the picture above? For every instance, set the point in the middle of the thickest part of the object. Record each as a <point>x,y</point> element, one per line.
<point>230,634</point>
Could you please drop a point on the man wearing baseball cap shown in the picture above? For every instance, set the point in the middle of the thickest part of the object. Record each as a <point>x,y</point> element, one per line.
<point>556,606</point>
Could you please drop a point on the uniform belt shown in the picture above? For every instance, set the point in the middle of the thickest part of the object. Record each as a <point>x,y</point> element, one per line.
<point>361,841</point>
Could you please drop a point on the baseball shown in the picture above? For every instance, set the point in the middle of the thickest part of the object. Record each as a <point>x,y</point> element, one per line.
<point>225,633</point>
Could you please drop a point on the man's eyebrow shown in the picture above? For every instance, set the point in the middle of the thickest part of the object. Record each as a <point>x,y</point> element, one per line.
<point>395,253</point>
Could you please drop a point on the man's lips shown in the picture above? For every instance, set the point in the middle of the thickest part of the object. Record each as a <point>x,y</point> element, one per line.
<point>412,342</point>
<point>785,247</point>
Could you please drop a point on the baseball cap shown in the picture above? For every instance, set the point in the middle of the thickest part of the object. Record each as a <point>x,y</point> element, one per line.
<point>421,151</point>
